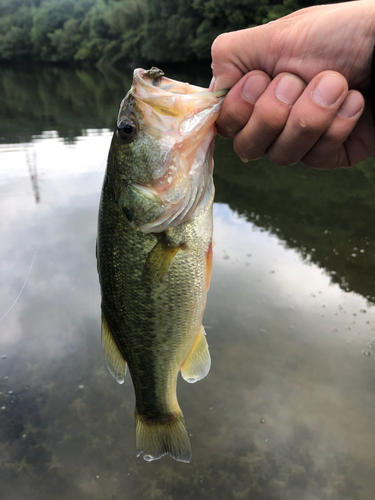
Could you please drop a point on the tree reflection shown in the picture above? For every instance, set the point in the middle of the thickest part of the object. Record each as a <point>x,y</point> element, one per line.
<point>69,101</point>
<point>326,215</point>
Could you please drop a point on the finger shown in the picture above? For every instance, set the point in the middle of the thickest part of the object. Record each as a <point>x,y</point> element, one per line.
<point>239,103</point>
<point>361,144</point>
<point>330,151</point>
<point>309,118</point>
<point>225,68</point>
<point>231,58</point>
<point>268,119</point>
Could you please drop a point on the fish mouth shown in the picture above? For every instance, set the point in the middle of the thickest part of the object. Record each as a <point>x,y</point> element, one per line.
<point>155,78</point>
<point>157,96</point>
<point>180,120</point>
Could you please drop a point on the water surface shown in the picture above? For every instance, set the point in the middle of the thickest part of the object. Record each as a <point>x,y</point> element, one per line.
<point>287,411</point>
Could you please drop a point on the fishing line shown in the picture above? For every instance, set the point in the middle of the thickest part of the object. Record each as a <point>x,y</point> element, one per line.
<point>44,233</point>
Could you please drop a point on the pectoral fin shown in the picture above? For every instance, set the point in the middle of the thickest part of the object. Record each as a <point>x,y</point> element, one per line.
<point>198,363</point>
<point>161,257</point>
<point>115,362</point>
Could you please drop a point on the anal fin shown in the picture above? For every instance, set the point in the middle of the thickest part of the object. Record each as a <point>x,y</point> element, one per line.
<point>198,363</point>
<point>116,363</point>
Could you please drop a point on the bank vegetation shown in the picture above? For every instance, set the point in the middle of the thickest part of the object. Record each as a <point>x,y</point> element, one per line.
<point>114,31</point>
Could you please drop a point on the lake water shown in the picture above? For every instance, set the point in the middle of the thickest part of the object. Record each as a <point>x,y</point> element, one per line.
<point>287,410</point>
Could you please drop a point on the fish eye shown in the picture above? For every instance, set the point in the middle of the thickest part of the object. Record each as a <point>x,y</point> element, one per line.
<point>127,129</point>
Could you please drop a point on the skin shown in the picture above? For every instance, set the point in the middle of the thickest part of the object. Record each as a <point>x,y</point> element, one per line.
<point>300,86</point>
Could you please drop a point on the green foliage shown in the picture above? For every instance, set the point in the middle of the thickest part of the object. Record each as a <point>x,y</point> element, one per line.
<point>280,10</point>
<point>65,41</point>
<point>111,31</point>
<point>49,17</point>
<point>15,40</point>
<point>220,16</point>
<point>170,29</point>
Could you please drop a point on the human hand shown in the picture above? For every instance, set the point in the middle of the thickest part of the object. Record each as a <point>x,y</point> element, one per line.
<point>290,82</point>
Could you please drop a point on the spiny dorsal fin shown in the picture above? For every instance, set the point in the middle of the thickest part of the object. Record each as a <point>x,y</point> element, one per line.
<point>113,357</point>
<point>198,363</point>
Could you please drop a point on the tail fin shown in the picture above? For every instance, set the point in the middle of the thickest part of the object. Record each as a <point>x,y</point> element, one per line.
<point>155,439</point>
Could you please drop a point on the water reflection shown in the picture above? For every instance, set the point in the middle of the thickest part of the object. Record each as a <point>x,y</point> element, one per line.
<point>33,171</point>
<point>68,101</point>
<point>326,215</point>
<point>287,410</point>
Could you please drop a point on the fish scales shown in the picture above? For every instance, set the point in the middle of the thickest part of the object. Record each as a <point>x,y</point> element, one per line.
<point>154,259</point>
<point>152,318</point>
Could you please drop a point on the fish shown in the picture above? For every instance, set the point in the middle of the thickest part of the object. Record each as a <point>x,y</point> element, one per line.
<point>154,251</point>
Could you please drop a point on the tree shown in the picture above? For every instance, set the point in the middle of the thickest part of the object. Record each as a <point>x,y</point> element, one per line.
<point>219,16</point>
<point>65,42</point>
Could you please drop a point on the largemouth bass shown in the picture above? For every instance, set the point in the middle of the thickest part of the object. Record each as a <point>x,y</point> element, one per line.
<point>154,250</point>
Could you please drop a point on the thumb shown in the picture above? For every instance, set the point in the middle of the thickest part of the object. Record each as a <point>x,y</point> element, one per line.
<point>236,53</point>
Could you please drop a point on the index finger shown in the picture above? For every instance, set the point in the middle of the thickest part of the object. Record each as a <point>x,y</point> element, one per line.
<point>238,105</point>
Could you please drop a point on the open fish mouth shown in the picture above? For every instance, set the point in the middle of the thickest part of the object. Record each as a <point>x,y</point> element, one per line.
<point>155,77</point>
<point>179,118</point>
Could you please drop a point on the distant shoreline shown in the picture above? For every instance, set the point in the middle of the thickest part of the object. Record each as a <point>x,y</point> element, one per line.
<point>116,33</point>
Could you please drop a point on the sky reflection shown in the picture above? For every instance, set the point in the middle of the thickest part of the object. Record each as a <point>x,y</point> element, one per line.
<point>285,413</point>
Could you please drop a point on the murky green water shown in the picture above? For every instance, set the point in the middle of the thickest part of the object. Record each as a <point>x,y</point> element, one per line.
<point>287,411</point>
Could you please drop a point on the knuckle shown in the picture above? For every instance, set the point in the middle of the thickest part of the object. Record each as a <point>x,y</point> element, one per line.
<point>271,122</point>
<point>235,120</point>
<point>283,154</point>
<point>271,125</point>
<point>219,45</point>
<point>226,132</point>
<point>246,150</point>
<point>323,158</point>
<point>279,159</point>
<point>335,136</point>
<point>230,123</point>
<point>305,126</point>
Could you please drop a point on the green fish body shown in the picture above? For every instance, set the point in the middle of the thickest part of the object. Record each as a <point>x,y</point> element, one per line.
<point>154,251</point>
